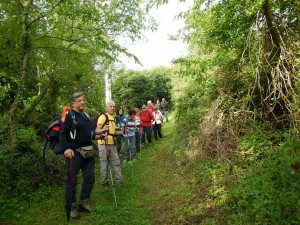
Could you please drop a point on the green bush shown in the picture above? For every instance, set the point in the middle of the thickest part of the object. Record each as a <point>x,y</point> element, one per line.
<point>268,191</point>
<point>23,175</point>
<point>26,138</point>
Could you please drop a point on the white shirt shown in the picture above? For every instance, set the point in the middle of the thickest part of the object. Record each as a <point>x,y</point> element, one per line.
<point>157,117</point>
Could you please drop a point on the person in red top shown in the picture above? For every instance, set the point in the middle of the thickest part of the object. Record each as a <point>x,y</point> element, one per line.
<point>146,118</point>
<point>150,107</point>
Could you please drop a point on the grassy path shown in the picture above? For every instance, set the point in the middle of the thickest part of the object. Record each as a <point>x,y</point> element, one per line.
<point>159,194</point>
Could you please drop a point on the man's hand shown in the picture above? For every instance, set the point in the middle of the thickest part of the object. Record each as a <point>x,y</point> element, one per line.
<point>69,154</point>
<point>105,128</point>
<point>102,136</point>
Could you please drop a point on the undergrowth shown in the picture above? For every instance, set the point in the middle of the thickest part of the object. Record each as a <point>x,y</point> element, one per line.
<point>259,187</point>
<point>258,184</point>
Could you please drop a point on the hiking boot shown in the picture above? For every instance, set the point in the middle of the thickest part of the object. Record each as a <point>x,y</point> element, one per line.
<point>74,212</point>
<point>84,205</point>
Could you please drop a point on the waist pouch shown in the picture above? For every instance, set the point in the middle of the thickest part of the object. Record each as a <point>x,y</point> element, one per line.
<point>86,152</point>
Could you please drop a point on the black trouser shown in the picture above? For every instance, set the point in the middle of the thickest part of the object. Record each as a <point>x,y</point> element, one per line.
<point>87,167</point>
<point>157,130</point>
<point>148,131</point>
<point>119,139</point>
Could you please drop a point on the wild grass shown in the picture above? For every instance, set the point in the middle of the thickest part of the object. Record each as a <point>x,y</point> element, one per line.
<point>171,188</point>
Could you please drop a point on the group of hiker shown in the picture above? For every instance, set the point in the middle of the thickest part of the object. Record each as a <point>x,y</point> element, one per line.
<point>76,139</point>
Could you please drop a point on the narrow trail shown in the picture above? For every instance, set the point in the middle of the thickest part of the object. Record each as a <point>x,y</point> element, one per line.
<point>159,190</point>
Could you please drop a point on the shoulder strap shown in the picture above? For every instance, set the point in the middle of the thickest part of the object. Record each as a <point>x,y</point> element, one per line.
<point>65,112</point>
<point>86,115</point>
<point>106,119</point>
<point>107,122</point>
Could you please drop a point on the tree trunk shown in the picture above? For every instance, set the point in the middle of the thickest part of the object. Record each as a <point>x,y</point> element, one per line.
<point>272,29</point>
<point>20,92</point>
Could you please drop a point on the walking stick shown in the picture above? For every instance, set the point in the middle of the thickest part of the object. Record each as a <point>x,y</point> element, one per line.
<point>70,189</point>
<point>111,177</point>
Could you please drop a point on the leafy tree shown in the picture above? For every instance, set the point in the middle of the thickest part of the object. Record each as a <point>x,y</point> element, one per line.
<point>133,88</point>
<point>250,45</point>
<point>161,83</point>
<point>49,49</point>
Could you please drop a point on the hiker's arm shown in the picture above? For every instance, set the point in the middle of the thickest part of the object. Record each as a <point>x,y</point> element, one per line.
<point>98,136</point>
<point>100,127</point>
<point>99,132</point>
<point>102,130</point>
<point>64,129</point>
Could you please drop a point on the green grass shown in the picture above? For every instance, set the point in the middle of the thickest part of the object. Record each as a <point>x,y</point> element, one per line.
<point>157,195</point>
<point>169,189</point>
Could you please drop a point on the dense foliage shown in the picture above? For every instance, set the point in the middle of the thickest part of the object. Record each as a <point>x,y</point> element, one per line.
<point>244,58</point>
<point>132,89</point>
<point>235,95</point>
<point>49,50</point>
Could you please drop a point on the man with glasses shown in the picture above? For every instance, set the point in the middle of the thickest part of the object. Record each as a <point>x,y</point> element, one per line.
<point>75,138</point>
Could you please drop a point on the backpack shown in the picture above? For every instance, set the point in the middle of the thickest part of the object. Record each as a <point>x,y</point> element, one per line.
<point>95,121</point>
<point>52,132</point>
<point>107,120</point>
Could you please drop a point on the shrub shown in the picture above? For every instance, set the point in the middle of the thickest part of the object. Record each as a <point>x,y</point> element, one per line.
<point>267,192</point>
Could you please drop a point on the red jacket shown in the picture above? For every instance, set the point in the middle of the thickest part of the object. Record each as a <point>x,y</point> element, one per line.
<point>146,118</point>
<point>150,108</point>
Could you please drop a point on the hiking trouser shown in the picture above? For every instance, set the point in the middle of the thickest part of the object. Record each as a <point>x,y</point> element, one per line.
<point>113,161</point>
<point>147,131</point>
<point>157,130</point>
<point>137,141</point>
<point>119,140</point>
<point>87,167</point>
<point>129,142</point>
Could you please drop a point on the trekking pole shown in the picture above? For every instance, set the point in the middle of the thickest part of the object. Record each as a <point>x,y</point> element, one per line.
<point>111,177</point>
<point>70,189</point>
<point>131,167</point>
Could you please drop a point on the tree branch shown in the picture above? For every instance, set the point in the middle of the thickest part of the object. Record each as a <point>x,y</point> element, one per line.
<point>45,14</point>
<point>41,95</point>
<point>18,1</point>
